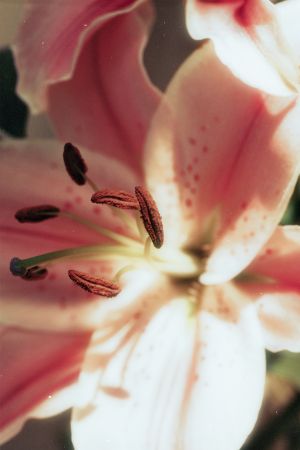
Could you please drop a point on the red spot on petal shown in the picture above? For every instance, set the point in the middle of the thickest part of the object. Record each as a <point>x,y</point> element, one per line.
<point>192,141</point>
<point>244,205</point>
<point>96,210</point>
<point>204,149</point>
<point>188,202</point>
<point>190,168</point>
<point>196,177</point>
<point>203,128</point>
<point>68,205</point>
<point>78,199</point>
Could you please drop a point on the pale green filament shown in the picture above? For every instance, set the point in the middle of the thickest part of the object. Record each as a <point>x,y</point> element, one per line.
<point>103,252</point>
<point>90,183</point>
<point>121,272</point>
<point>140,226</point>
<point>125,218</point>
<point>103,231</point>
<point>147,248</point>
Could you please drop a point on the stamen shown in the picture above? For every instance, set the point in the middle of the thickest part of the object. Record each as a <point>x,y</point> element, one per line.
<point>35,273</point>
<point>150,216</point>
<point>37,213</point>
<point>75,164</point>
<point>118,199</point>
<point>97,286</point>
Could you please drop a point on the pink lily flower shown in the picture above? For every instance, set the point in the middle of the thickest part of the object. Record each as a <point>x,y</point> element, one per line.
<point>188,330</point>
<point>257,40</point>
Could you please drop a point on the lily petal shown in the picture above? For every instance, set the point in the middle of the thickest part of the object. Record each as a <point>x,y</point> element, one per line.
<point>278,304</point>
<point>250,40</point>
<point>85,63</point>
<point>288,14</point>
<point>280,257</point>
<point>194,141</point>
<point>161,391</point>
<point>278,309</point>
<point>258,189</point>
<point>239,152</point>
<point>38,375</point>
<point>28,170</point>
<point>229,347</point>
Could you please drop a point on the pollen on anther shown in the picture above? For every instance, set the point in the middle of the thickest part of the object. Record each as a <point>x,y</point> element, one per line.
<point>150,216</point>
<point>94,285</point>
<point>118,199</point>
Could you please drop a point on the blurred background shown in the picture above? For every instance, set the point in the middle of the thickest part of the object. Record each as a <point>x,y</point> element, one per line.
<point>278,427</point>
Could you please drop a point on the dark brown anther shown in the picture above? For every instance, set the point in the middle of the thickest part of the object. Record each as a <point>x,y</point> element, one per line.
<point>95,285</point>
<point>150,216</point>
<point>118,199</point>
<point>35,273</point>
<point>75,164</point>
<point>37,213</point>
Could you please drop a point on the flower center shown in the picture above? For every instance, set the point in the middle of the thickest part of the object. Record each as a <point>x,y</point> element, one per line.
<point>142,220</point>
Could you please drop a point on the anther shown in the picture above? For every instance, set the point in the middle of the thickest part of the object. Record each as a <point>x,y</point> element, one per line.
<point>118,199</point>
<point>95,285</point>
<point>75,164</point>
<point>37,213</point>
<point>35,273</point>
<point>150,216</point>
